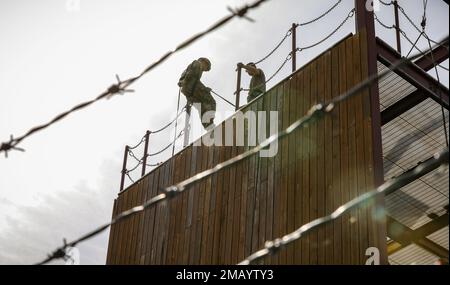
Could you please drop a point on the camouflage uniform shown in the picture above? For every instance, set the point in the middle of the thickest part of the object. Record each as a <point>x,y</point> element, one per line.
<point>195,91</point>
<point>257,85</point>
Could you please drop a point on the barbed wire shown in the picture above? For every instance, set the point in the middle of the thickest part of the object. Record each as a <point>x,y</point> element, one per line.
<point>272,247</point>
<point>316,112</point>
<point>321,16</point>
<point>121,86</point>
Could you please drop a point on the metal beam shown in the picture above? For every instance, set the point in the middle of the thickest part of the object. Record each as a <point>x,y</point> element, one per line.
<point>405,236</point>
<point>419,233</point>
<point>402,105</point>
<point>440,54</point>
<point>413,74</point>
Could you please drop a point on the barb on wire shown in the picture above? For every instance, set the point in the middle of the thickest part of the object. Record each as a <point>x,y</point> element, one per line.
<point>274,246</point>
<point>10,145</point>
<point>350,15</point>
<point>315,112</point>
<point>321,16</point>
<point>121,86</point>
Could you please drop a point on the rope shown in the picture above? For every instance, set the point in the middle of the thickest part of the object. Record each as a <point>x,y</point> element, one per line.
<point>166,147</point>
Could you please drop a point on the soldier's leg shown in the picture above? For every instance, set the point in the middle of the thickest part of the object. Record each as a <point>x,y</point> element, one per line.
<point>208,105</point>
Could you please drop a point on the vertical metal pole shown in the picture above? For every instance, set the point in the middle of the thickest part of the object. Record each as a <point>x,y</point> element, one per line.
<point>365,21</point>
<point>124,167</point>
<point>144,159</point>
<point>187,128</point>
<point>238,86</point>
<point>294,47</point>
<point>397,28</point>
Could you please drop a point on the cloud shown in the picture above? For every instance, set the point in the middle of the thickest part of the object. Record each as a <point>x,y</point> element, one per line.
<point>33,232</point>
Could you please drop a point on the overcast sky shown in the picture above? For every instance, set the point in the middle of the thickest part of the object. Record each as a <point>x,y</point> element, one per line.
<point>54,55</point>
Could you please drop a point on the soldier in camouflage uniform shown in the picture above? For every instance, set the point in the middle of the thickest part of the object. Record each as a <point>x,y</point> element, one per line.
<point>195,91</point>
<point>258,81</point>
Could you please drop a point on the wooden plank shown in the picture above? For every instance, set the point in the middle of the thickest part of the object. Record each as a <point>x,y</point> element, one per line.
<point>293,116</point>
<point>141,226</point>
<point>272,98</point>
<point>206,210</point>
<point>251,191</point>
<point>195,212</point>
<point>183,248</point>
<point>336,158</point>
<point>313,156</point>
<point>299,138</point>
<point>214,151</point>
<point>321,203</point>
<point>201,206</point>
<point>149,217</point>
<point>218,211</point>
<point>161,219</point>
<point>181,212</point>
<point>306,167</point>
<point>237,204</point>
<point>352,172</point>
<point>230,209</point>
<point>261,181</point>
<point>244,199</point>
<point>345,195</point>
<point>329,195</point>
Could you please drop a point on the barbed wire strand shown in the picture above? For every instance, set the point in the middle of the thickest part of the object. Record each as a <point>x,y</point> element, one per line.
<point>121,86</point>
<point>272,247</point>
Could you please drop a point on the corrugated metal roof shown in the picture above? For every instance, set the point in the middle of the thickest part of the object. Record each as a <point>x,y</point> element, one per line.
<point>407,140</point>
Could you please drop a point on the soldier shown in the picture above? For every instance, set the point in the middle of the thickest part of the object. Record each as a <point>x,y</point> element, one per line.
<point>258,81</point>
<point>195,91</point>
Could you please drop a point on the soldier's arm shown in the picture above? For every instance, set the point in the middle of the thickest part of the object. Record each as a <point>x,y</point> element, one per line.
<point>193,75</point>
<point>249,68</point>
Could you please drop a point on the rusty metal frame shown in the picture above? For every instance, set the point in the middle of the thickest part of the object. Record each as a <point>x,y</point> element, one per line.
<point>413,74</point>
